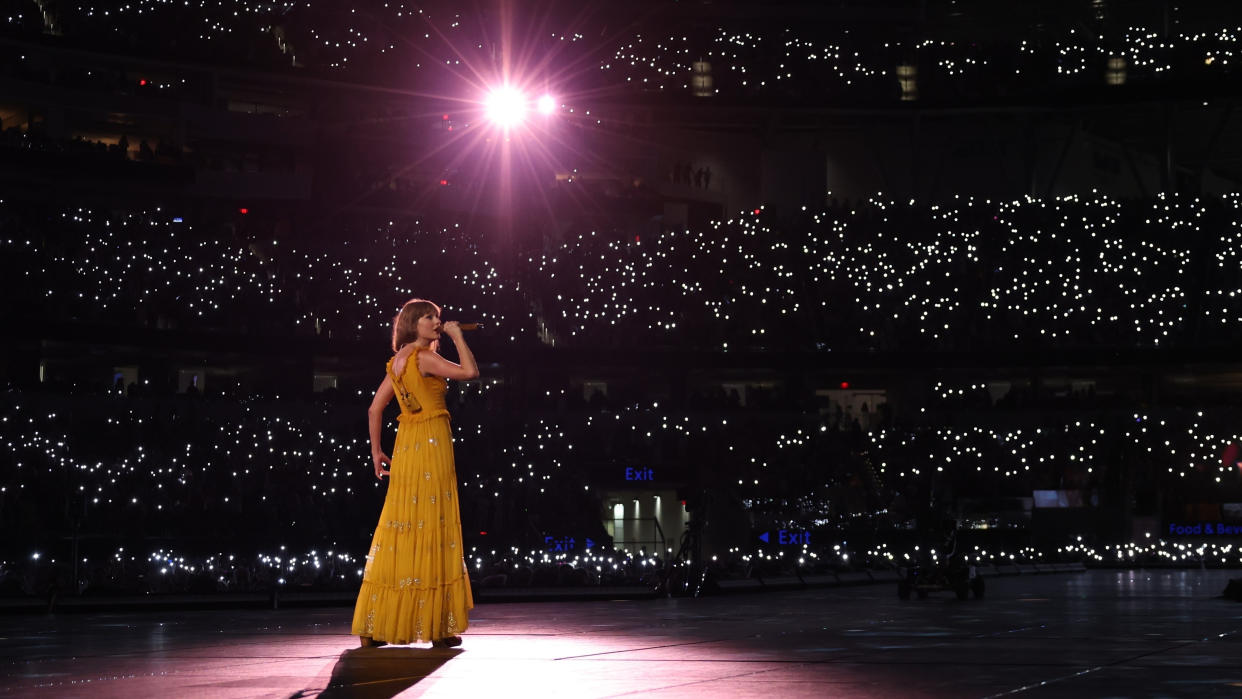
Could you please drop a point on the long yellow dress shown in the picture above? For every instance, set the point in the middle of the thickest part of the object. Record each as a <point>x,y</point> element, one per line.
<point>416,586</point>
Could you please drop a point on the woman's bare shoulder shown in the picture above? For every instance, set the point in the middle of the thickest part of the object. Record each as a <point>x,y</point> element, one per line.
<point>400,358</point>
<point>425,355</point>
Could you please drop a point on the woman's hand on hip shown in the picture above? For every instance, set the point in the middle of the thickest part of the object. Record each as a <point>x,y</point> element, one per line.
<point>380,459</point>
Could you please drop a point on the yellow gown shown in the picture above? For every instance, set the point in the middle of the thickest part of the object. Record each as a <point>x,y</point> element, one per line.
<point>415,586</point>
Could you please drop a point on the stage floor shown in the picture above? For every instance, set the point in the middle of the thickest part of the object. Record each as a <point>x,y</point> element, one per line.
<point>1099,633</point>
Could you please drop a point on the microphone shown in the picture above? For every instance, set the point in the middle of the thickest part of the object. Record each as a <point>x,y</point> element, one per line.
<point>470,326</point>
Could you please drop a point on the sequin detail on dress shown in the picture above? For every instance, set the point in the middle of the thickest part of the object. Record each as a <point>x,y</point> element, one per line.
<point>415,583</point>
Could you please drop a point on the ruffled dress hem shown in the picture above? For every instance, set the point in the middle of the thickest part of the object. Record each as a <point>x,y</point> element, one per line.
<point>413,615</point>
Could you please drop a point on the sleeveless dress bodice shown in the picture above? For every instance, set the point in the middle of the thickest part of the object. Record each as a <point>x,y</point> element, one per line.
<point>421,397</point>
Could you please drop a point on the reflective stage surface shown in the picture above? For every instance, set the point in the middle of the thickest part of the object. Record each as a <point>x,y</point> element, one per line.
<point>1100,633</point>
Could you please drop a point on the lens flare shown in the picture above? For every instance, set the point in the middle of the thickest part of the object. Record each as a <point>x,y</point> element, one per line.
<point>506,107</point>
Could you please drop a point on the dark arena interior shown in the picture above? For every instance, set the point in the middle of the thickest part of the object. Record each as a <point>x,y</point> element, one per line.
<point>824,348</point>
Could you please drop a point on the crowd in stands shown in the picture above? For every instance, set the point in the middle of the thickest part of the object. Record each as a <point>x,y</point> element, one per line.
<point>877,276</point>
<point>67,267</point>
<point>799,64</point>
<point>34,65</point>
<point>101,155</point>
<point>219,478</point>
<point>17,138</point>
<point>955,275</point>
<point>807,61</point>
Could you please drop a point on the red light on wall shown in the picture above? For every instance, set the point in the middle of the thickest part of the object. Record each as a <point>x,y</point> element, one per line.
<point>443,183</point>
<point>243,211</point>
<point>758,211</point>
<point>444,117</point>
<point>845,384</point>
<point>482,533</point>
<point>142,82</point>
<point>637,240</point>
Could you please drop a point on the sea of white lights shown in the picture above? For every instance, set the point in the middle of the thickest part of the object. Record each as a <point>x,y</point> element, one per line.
<point>1069,271</point>
<point>155,268</point>
<point>378,41</point>
<point>1119,264</point>
<point>1185,443</point>
<point>963,273</point>
<point>327,36</point>
<point>799,61</point>
<point>167,571</point>
<point>159,465</point>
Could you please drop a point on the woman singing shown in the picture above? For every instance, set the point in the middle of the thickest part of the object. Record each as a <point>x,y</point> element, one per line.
<point>415,586</point>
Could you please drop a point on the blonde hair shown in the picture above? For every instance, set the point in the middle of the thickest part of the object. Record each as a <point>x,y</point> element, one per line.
<point>405,323</point>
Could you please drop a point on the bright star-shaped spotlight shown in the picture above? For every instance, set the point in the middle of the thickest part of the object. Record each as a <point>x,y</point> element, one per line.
<point>505,107</point>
